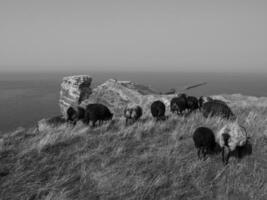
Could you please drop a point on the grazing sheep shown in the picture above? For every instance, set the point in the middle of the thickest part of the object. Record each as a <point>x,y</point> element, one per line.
<point>179,104</point>
<point>204,141</point>
<point>97,112</point>
<point>132,113</point>
<point>158,110</point>
<point>216,108</point>
<point>71,114</point>
<point>203,100</point>
<point>75,114</point>
<point>192,103</point>
<point>219,101</point>
<point>229,137</point>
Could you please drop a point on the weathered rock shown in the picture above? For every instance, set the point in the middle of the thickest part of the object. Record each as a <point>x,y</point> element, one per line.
<point>116,95</point>
<point>74,89</point>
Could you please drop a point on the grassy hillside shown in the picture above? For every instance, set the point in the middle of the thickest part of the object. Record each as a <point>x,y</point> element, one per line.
<point>148,160</point>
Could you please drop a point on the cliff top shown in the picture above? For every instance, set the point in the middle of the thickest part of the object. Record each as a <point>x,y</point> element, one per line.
<point>147,160</point>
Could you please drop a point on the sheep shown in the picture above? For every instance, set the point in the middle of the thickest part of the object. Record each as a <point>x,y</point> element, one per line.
<point>74,114</point>
<point>97,112</point>
<point>132,113</point>
<point>202,100</point>
<point>71,114</point>
<point>192,103</point>
<point>157,109</point>
<point>217,108</point>
<point>229,137</point>
<point>204,141</point>
<point>179,104</point>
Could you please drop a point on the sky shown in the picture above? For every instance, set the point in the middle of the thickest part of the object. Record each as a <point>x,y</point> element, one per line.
<point>133,35</point>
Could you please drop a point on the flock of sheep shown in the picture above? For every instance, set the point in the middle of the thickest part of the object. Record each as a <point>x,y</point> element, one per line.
<point>230,138</point>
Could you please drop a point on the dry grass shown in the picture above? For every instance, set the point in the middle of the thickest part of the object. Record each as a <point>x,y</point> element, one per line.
<point>148,160</point>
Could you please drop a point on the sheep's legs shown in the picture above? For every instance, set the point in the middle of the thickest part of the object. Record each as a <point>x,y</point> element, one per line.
<point>239,152</point>
<point>199,153</point>
<point>93,123</point>
<point>225,155</point>
<point>204,153</point>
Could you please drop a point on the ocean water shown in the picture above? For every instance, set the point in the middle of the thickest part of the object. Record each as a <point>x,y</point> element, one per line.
<point>27,98</point>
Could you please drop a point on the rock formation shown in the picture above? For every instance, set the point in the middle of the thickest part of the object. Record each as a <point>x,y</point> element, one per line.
<point>117,94</point>
<point>74,89</point>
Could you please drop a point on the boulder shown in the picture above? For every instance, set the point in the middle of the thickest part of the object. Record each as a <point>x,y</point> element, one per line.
<point>74,89</point>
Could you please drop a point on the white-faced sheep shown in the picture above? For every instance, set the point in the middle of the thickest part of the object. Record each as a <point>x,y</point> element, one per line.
<point>132,113</point>
<point>229,137</point>
<point>204,141</point>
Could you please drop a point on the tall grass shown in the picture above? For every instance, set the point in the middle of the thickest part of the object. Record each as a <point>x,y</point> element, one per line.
<point>147,160</point>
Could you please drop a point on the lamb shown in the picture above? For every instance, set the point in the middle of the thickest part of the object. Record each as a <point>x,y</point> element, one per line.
<point>229,137</point>
<point>158,110</point>
<point>204,141</point>
<point>132,113</point>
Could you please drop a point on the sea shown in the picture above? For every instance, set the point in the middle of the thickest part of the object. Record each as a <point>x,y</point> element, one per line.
<point>26,97</point>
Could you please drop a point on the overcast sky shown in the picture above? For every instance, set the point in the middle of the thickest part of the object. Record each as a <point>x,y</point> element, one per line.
<point>189,35</point>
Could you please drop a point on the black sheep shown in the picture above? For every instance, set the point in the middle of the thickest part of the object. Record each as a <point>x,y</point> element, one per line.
<point>97,112</point>
<point>204,141</point>
<point>71,114</point>
<point>192,103</point>
<point>219,101</point>
<point>75,114</point>
<point>217,108</point>
<point>132,113</point>
<point>203,100</point>
<point>179,104</point>
<point>158,110</point>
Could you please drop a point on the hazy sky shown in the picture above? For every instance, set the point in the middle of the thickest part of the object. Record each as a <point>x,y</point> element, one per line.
<point>187,35</point>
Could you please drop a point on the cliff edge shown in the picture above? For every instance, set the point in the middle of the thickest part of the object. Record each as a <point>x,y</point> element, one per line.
<point>146,160</point>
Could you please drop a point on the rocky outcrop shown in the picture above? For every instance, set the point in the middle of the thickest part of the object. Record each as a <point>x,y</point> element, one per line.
<point>117,94</point>
<point>74,89</point>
